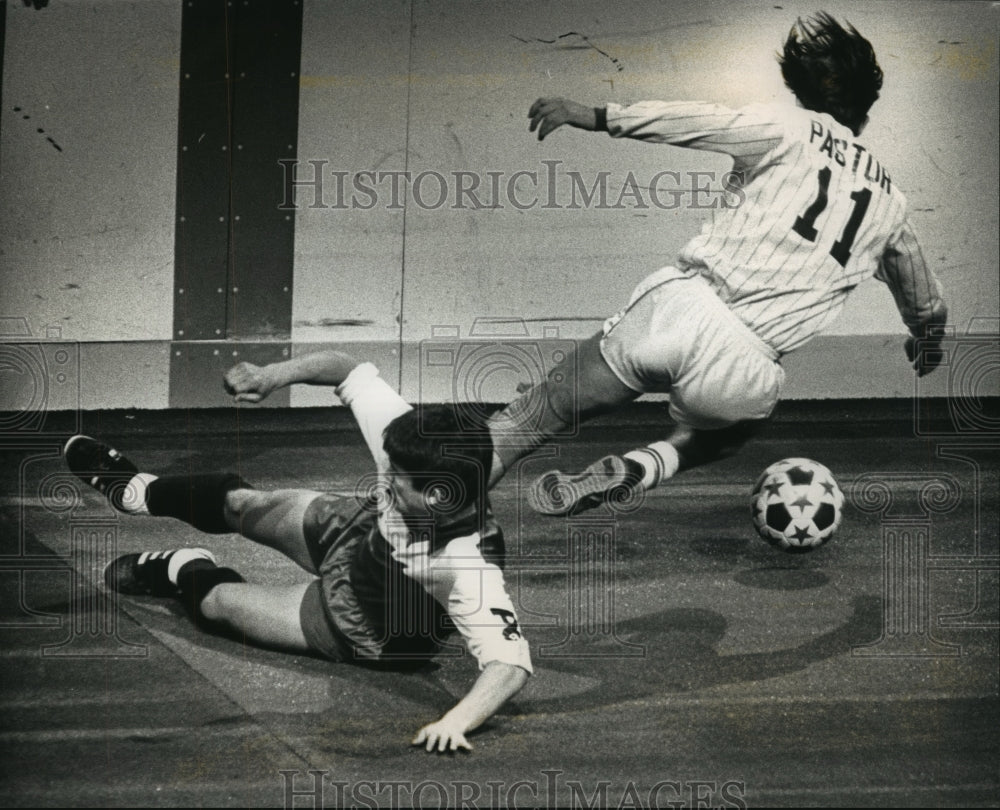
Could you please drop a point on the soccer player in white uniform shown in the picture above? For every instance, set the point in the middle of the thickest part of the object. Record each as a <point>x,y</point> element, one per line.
<point>819,214</point>
<point>411,558</point>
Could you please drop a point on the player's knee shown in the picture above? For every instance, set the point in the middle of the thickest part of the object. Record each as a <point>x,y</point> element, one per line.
<point>240,501</point>
<point>217,604</point>
<point>562,405</point>
<point>210,606</point>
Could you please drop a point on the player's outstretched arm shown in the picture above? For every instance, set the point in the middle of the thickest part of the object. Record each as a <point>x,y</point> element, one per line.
<point>919,299</point>
<point>496,684</point>
<point>247,382</point>
<point>548,114</point>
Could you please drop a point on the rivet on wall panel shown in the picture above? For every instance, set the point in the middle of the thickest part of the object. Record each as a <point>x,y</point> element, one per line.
<point>180,291</point>
<point>236,289</point>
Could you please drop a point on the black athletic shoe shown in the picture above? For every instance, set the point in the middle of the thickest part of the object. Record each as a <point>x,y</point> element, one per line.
<point>145,574</point>
<point>103,467</point>
<point>611,480</point>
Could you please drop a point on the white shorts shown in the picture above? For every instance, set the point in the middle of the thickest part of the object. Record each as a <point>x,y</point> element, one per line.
<point>676,336</point>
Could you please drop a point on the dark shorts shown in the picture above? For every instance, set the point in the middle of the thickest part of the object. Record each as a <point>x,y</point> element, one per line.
<point>364,608</point>
<point>316,627</point>
<point>325,525</point>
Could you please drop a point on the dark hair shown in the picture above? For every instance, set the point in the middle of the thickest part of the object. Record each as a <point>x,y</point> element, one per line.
<point>831,69</point>
<point>437,449</point>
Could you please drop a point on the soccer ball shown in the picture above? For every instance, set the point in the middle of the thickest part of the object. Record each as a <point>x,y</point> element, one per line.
<point>796,504</point>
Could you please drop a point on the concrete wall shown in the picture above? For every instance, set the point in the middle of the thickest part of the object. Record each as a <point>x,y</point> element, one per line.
<point>87,206</point>
<point>437,89</point>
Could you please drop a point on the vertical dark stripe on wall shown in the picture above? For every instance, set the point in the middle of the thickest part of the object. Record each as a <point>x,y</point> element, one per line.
<point>234,246</point>
<point>201,242</point>
<point>239,110</point>
<point>266,56</point>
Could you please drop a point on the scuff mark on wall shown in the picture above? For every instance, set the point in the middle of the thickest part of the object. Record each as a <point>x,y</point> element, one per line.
<point>586,44</point>
<point>39,130</point>
<point>336,322</point>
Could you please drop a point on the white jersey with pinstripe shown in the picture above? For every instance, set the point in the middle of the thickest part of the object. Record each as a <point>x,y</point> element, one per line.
<point>817,214</point>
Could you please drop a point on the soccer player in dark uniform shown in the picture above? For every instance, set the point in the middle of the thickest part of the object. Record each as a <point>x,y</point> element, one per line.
<point>396,569</point>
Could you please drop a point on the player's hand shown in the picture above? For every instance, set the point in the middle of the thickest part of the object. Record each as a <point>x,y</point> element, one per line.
<point>548,114</point>
<point>246,382</point>
<point>926,357</point>
<point>443,736</point>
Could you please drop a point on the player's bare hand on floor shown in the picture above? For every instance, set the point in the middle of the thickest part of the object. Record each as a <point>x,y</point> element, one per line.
<point>246,382</point>
<point>443,737</point>
<point>548,114</point>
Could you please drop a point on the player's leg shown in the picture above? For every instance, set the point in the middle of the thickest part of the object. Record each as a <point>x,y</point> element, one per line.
<point>216,598</point>
<point>722,381</point>
<point>276,519</point>
<point>265,616</point>
<point>215,503</point>
<point>696,447</point>
<point>685,448</point>
<point>578,388</point>
<point>616,479</point>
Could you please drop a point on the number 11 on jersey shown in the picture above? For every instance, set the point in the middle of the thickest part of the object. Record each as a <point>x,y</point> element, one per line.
<point>805,225</point>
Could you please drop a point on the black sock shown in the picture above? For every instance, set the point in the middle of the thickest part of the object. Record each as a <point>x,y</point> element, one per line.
<point>195,579</point>
<point>196,499</point>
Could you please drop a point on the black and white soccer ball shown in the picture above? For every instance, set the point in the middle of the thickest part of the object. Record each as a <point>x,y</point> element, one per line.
<point>796,504</point>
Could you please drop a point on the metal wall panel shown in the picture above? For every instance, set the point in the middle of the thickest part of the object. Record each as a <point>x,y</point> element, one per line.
<point>238,117</point>
<point>267,46</point>
<point>197,369</point>
<point>201,245</point>
<point>235,246</point>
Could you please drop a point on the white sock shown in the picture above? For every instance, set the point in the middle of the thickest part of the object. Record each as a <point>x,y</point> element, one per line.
<point>659,462</point>
<point>183,556</point>
<point>134,496</point>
